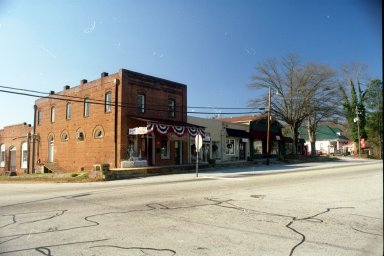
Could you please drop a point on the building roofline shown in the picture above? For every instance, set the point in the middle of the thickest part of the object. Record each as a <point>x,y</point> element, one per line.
<point>152,77</point>
<point>104,75</point>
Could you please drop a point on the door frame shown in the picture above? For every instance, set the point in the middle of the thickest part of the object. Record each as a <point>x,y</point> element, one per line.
<point>51,149</point>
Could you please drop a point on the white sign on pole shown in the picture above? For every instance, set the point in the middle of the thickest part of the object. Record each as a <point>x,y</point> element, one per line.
<point>198,142</point>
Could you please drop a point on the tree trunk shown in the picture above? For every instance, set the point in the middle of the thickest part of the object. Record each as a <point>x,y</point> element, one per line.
<point>312,137</point>
<point>295,136</point>
<point>313,148</point>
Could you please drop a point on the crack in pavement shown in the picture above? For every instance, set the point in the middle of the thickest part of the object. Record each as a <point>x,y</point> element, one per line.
<point>142,249</point>
<point>223,203</point>
<point>365,232</point>
<point>312,219</point>
<point>46,248</point>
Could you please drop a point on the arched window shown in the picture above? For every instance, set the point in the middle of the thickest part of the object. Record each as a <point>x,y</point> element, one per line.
<point>2,155</point>
<point>24,155</point>
<point>80,135</point>
<point>98,132</point>
<point>64,136</point>
<point>86,107</point>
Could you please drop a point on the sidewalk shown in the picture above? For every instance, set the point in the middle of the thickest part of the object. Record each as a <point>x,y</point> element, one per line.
<point>238,172</point>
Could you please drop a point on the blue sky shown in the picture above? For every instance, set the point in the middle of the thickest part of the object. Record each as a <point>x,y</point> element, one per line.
<point>213,46</point>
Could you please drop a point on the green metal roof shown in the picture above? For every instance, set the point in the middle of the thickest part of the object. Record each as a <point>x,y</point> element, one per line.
<point>323,132</point>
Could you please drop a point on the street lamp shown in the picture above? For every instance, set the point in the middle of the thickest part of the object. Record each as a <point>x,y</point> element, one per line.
<point>357,120</point>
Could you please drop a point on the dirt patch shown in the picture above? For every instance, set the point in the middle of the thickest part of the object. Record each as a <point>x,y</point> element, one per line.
<point>49,178</point>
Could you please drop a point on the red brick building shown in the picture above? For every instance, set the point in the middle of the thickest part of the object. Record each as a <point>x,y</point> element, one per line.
<point>126,115</point>
<point>15,144</point>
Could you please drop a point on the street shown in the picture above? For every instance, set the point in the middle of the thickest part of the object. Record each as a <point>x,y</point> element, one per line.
<point>312,209</point>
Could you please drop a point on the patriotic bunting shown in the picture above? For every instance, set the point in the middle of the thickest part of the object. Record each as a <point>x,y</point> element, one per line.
<point>150,128</point>
<point>192,131</point>
<point>178,130</point>
<point>162,128</point>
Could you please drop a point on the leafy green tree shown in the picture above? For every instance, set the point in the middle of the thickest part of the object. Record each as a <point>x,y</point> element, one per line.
<point>374,103</point>
<point>354,110</point>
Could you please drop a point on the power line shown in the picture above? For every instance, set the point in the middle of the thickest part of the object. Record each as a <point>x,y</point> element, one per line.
<point>100,102</point>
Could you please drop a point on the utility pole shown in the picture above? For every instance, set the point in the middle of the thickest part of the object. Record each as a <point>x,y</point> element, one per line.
<point>269,123</point>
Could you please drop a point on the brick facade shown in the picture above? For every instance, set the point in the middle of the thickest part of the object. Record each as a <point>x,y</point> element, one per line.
<point>15,142</point>
<point>101,135</point>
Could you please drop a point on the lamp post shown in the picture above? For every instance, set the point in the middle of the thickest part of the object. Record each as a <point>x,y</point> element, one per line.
<point>357,120</point>
<point>269,123</point>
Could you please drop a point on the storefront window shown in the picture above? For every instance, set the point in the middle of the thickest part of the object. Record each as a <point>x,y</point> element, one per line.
<point>288,148</point>
<point>216,150</point>
<point>165,149</point>
<point>230,149</point>
<point>258,147</point>
<point>274,148</point>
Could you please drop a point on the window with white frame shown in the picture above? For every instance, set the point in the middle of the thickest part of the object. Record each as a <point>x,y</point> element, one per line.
<point>68,111</point>
<point>24,154</point>
<point>53,113</point>
<point>171,107</point>
<point>2,155</point>
<point>64,136</point>
<point>140,103</point>
<point>86,107</point>
<point>108,101</point>
<point>230,147</point>
<point>98,132</point>
<point>80,135</point>
<point>39,117</point>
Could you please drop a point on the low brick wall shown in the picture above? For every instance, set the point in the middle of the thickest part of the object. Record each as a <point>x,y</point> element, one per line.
<point>128,173</point>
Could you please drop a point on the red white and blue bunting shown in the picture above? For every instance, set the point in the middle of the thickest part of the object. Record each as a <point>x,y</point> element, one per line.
<point>150,128</point>
<point>193,131</point>
<point>178,130</point>
<point>162,128</point>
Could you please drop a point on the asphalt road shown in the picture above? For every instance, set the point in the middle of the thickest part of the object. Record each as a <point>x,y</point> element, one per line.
<point>309,209</point>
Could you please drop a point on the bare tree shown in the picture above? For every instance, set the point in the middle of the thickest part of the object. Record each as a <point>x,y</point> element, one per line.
<point>298,89</point>
<point>325,96</point>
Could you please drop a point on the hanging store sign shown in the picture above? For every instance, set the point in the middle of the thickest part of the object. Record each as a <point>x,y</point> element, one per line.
<point>138,130</point>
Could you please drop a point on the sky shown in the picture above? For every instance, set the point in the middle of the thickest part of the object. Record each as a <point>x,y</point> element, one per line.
<point>212,46</point>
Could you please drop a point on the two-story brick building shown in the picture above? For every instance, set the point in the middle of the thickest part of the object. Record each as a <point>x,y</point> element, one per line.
<point>126,115</point>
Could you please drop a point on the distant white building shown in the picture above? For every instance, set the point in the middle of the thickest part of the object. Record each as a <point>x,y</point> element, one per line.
<point>329,140</point>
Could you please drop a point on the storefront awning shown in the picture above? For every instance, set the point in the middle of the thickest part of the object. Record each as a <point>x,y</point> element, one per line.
<point>166,126</point>
<point>237,133</point>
